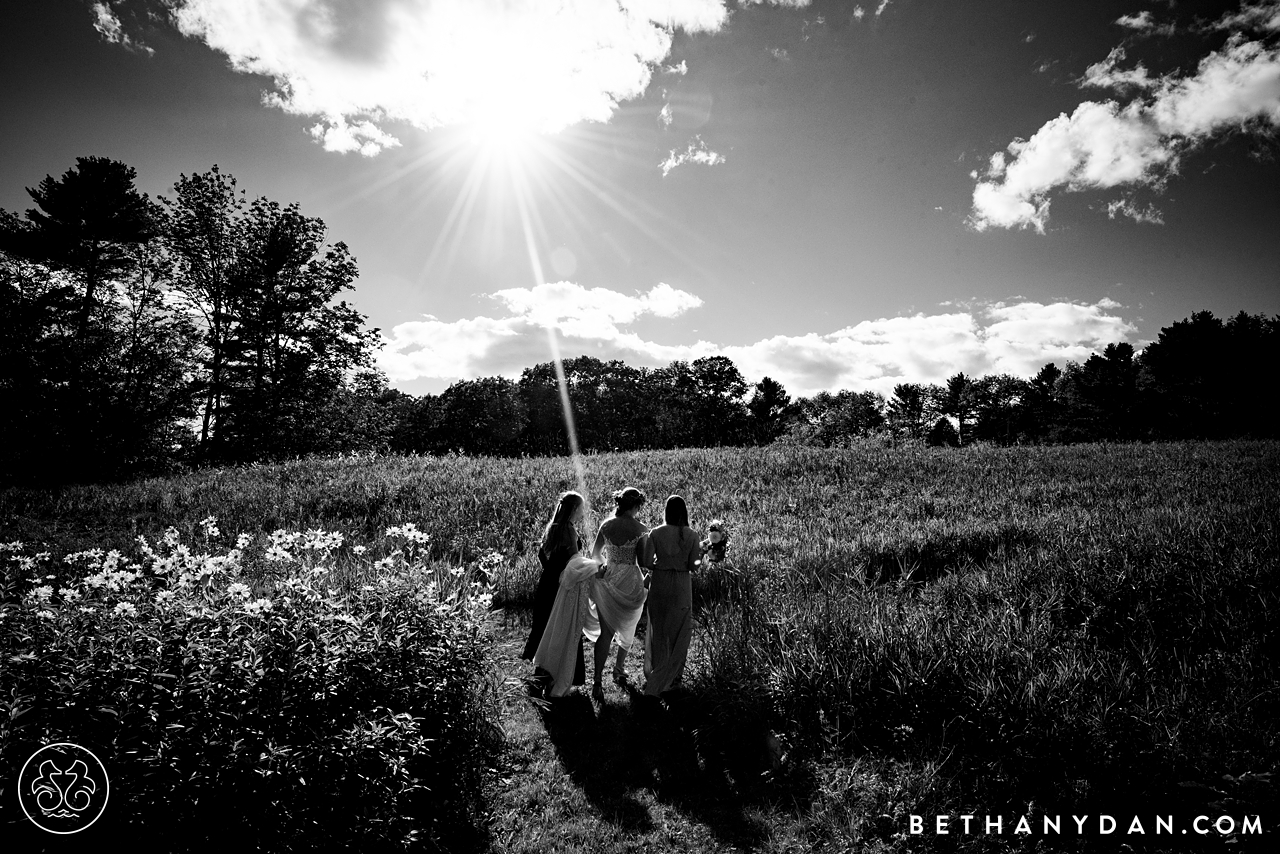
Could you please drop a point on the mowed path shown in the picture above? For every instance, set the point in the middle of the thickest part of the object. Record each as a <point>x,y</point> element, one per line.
<point>627,777</point>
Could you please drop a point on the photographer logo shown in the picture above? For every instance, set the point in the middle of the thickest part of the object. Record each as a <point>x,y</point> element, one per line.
<point>63,788</point>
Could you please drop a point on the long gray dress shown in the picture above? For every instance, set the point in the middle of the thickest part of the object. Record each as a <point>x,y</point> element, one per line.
<point>670,602</point>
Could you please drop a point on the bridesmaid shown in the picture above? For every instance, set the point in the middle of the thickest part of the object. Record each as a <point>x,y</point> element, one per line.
<point>675,551</point>
<point>560,542</point>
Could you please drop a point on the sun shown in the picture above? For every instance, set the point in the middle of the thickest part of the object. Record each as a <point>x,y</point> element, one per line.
<point>503,137</point>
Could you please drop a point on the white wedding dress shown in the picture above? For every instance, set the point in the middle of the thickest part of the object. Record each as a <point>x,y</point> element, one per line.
<point>619,596</point>
<point>571,618</point>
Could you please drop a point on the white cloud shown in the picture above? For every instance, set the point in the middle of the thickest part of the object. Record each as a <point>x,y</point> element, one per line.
<point>1143,22</point>
<point>108,25</point>
<point>363,136</point>
<point>358,65</point>
<point>873,355</point>
<point>884,4</point>
<point>1129,208</point>
<point>588,322</point>
<point>1104,145</point>
<point>859,13</point>
<point>1263,17</point>
<point>1106,74</point>
<point>696,152</point>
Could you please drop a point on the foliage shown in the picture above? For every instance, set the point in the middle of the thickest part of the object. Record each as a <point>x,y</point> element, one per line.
<point>260,694</point>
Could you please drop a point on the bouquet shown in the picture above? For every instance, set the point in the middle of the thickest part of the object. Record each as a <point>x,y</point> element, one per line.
<point>716,545</point>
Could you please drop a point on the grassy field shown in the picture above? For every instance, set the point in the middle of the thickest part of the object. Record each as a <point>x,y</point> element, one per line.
<point>896,632</point>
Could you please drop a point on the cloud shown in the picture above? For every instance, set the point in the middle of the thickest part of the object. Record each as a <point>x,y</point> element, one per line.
<point>359,66</point>
<point>1106,74</point>
<point>1109,144</point>
<point>108,25</point>
<point>696,152</point>
<point>1261,17</point>
<point>884,4</point>
<point>873,355</point>
<point>858,13</point>
<point>1129,208</point>
<point>1143,22</point>
<point>587,321</point>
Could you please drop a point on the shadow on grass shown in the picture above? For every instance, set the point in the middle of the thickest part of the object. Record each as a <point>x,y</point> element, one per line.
<point>930,559</point>
<point>640,744</point>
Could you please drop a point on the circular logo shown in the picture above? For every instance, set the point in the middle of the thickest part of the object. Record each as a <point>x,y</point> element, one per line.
<point>63,788</point>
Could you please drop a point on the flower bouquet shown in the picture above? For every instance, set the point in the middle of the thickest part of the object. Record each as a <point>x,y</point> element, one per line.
<point>716,545</point>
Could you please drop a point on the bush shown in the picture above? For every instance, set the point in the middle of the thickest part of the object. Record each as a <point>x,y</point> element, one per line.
<point>277,714</point>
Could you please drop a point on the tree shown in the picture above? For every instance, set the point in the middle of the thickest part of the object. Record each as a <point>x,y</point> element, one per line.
<point>278,346</point>
<point>204,233</point>
<point>719,392</point>
<point>997,401</point>
<point>85,224</point>
<point>906,411</point>
<point>106,360</point>
<point>768,409</point>
<point>958,400</point>
<point>484,416</point>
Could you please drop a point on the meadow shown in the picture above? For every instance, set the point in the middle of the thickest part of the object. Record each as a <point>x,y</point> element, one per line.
<point>896,631</point>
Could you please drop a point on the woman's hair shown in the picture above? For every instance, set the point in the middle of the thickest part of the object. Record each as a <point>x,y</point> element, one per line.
<point>559,531</point>
<point>625,499</point>
<point>676,512</point>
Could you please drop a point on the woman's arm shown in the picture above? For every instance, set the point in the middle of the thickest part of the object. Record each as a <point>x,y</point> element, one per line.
<point>599,546</point>
<point>648,552</point>
<point>695,552</point>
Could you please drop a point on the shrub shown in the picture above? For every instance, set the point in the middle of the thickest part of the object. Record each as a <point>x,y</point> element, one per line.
<point>270,711</point>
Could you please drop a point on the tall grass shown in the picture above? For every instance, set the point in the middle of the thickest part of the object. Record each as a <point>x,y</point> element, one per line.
<point>1020,627</point>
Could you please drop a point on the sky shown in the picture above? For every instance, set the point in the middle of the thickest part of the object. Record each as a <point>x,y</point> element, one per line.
<point>838,195</point>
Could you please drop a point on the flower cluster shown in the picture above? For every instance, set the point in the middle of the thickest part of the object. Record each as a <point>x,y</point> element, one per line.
<point>716,546</point>
<point>409,531</point>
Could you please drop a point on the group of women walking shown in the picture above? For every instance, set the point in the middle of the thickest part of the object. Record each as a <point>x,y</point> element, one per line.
<point>631,570</point>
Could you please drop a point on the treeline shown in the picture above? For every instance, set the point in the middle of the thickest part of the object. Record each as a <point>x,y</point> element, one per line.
<point>1194,382</point>
<point>139,335</point>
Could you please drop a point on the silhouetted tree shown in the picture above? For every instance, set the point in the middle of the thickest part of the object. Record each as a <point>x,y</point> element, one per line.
<point>997,400</point>
<point>768,410</point>
<point>958,400</point>
<point>906,411</point>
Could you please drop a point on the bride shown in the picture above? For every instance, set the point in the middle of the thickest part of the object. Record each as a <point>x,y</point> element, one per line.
<point>618,589</point>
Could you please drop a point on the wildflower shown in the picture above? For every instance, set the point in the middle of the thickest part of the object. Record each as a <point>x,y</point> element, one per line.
<point>15,546</point>
<point>45,614</point>
<point>87,609</point>
<point>410,532</point>
<point>50,576</point>
<point>284,539</point>
<point>238,589</point>
<point>210,525</point>
<point>385,563</point>
<point>359,550</point>
<point>41,594</point>
<point>42,557</point>
<point>322,540</point>
<point>164,596</point>
<point>278,554</point>
<point>242,541</point>
<point>68,594</point>
<point>171,537</point>
<point>125,609</point>
<point>258,606</point>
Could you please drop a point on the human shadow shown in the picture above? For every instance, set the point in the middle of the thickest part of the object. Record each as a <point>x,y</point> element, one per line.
<point>707,775</point>
<point>637,743</point>
<point>594,752</point>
